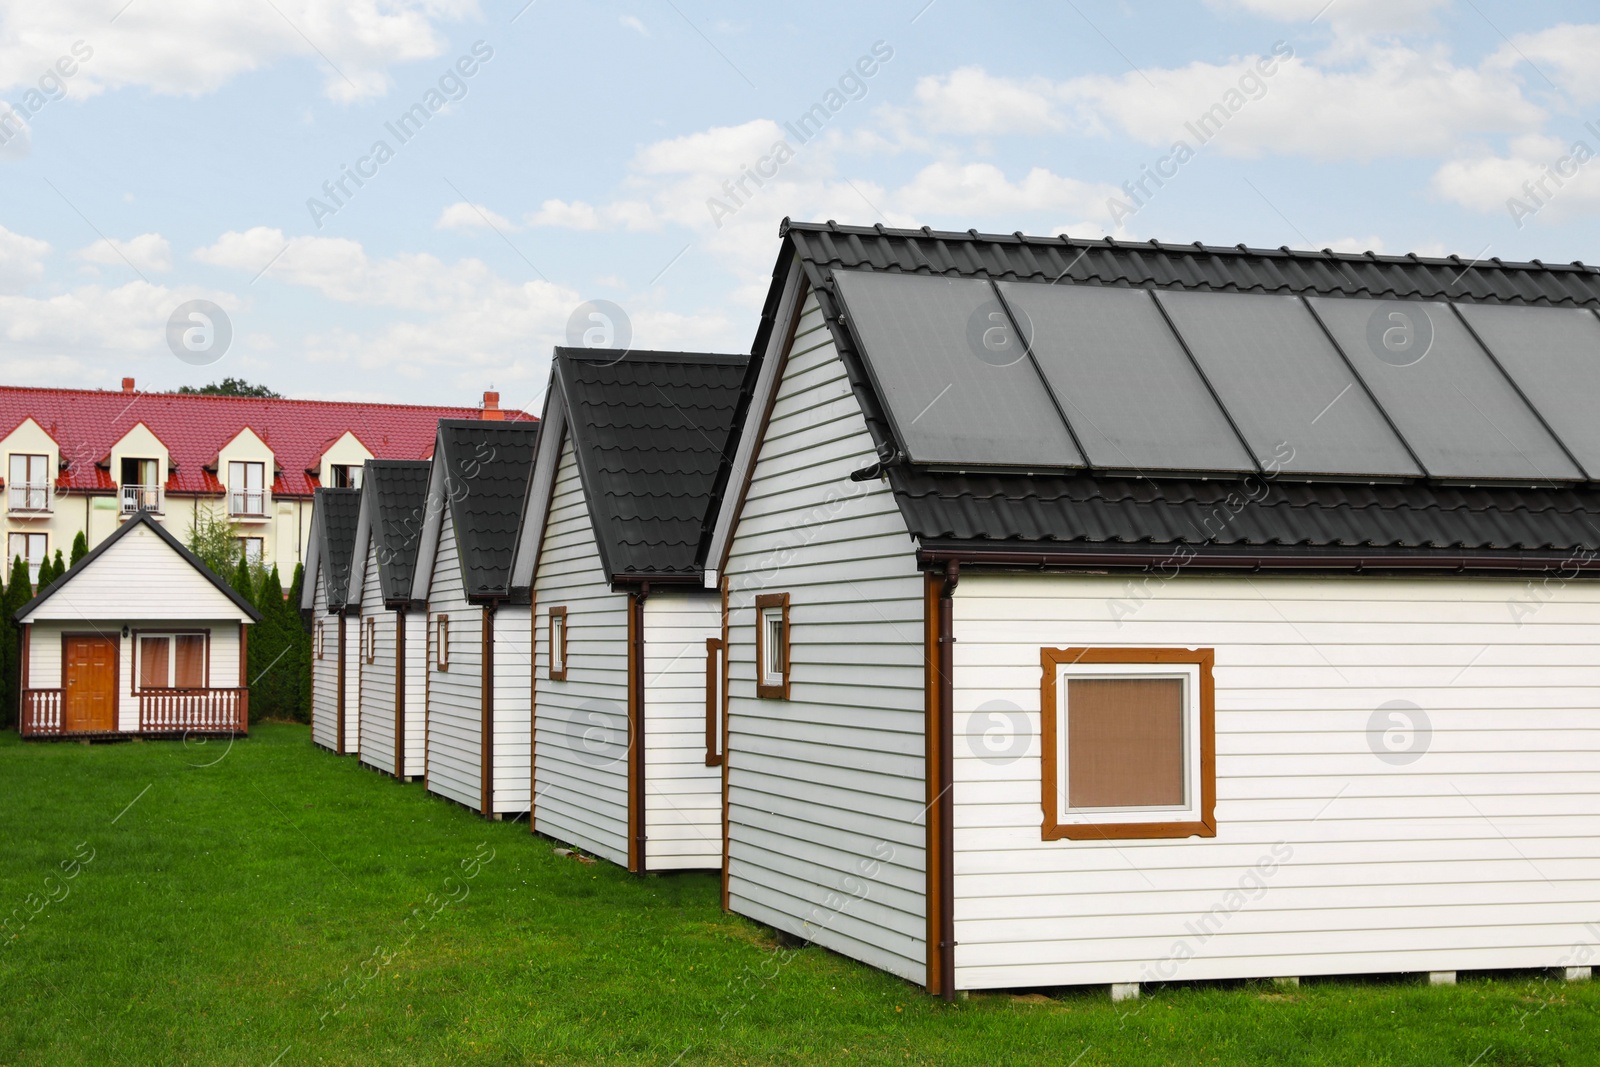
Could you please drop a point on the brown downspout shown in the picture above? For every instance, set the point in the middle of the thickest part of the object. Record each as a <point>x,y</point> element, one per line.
<point>338,741</point>
<point>636,768</point>
<point>400,694</point>
<point>947,881</point>
<point>486,772</point>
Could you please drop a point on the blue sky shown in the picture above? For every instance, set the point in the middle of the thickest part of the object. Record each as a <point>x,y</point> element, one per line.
<point>584,158</point>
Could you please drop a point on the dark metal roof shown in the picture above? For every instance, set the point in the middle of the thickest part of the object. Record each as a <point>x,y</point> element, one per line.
<point>651,431</point>
<point>1090,513</point>
<point>395,494</point>
<point>141,518</point>
<point>487,466</point>
<point>340,510</point>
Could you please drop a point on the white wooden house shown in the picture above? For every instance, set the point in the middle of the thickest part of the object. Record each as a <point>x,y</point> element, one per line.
<point>479,638</point>
<point>1122,613</point>
<point>137,638</point>
<point>626,748</point>
<point>392,628</point>
<point>325,599</point>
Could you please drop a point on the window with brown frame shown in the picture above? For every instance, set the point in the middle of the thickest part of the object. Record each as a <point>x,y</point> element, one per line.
<point>372,638</point>
<point>1129,743</point>
<point>442,642</point>
<point>558,644</point>
<point>172,661</point>
<point>714,649</point>
<point>772,646</point>
<point>318,638</point>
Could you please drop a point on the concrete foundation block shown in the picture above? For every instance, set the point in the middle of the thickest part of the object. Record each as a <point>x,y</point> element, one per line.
<point>1579,974</point>
<point>1441,978</point>
<point>1124,991</point>
<point>1288,983</point>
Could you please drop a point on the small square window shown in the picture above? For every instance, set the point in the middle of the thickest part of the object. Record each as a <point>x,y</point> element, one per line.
<point>772,645</point>
<point>558,644</point>
<point>1129,743</point>
<point>442,642</point>
<point>253,549</point>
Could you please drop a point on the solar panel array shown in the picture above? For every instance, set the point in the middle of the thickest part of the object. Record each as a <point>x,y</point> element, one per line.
<point>1030,375</point>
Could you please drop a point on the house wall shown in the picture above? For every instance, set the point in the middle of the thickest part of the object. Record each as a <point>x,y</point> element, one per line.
<point>826,791</point>
<point>1479,853</point>
<point>45,654</point>
<point>683,797</point>
<point>455,695</point>
<point>352,681</point>
<point>416,720</point>
<point>377,677</point>
<point>324,668</point>
<point>512,708</point>
<point>138,577</point>
<point>582,729</point>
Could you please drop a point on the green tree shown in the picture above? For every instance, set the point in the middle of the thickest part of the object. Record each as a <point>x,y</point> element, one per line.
<point>271,661</point>
<point>216,541</point>
<point>80,548</point>
<point>240,578</point>
<point>18,591</point>
<point>231,387</point>
<point>301,635</point>
<point>50,571</point>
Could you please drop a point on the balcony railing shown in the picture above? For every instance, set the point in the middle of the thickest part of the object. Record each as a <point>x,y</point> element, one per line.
<point>41,713</point>
<point>31,497</point>
<point>215,711</point>
<point>248,503</point>
<point>141,498</point>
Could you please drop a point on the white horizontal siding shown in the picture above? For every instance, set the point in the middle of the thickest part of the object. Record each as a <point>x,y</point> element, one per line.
<point>416,710</point>
<point>455,695</point>
<point>683,797</point>
<point>45,661</point>
<point>324,668</point>
<point>581,796</point>
<point>513,665</point>
<point>1479,854</point>
<point>826,791</point>
<point>377,678</point>
<point>352,683</point>
<point>138,577</point>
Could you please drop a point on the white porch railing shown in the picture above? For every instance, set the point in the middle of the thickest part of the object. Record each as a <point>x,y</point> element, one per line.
<point>141,498</point>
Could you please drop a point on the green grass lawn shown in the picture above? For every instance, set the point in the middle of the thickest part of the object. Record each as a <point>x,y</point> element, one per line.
<point>268,903</point>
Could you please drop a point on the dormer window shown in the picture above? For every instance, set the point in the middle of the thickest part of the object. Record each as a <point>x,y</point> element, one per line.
<point>141,485</point>
<point>247,488</point>
<point>344,476</point>
<point>28,487</point>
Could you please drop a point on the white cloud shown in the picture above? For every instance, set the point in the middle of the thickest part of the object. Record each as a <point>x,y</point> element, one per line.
<point>580,215</point>
<point>1565,54</point>
<point>634,24</point>
<point>21,260</point>
<point>981,190</point>
<point>464,216</point>
<point>970,100</point>
<point>196,46</point>
<point>1355,244</point>
<point>1539,175</point>
<point>148,251</point>
<point>1353,18</point>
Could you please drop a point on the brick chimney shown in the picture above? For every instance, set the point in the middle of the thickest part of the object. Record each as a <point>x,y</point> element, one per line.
<point>127,385</point>
<point>491,407</point>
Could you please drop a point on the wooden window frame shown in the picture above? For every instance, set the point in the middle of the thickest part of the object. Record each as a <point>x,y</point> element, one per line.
<point>561,646</point>
<point>33,568</point>
<point>317,640</point>
<point>715,650</point>
<point>764,689</point>
<point>370,638</point>
<point>28,486</point>
<point>137,643</point>
<point>441,650</point>
<point>1050,662</point>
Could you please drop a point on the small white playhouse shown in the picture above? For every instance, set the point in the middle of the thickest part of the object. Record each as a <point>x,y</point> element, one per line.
<point>325,601</point>
<point>628,645</point>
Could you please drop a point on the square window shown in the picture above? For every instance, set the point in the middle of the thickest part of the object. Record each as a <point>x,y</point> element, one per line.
<point>253,549</point>
<point>32,547</point>
<point>172,661</point>
<point>772,646</point>
<point>558,644</point>
<point>1129,743</point>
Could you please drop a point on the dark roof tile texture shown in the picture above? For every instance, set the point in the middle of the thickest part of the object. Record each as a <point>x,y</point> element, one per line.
<point>340,510</point>
<point>395,494</point>
<point>487,467</point>
<point>1089,512</point>
<point>650,433</point>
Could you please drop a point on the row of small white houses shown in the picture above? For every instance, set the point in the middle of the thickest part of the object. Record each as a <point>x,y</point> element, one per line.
<point>805,618</point>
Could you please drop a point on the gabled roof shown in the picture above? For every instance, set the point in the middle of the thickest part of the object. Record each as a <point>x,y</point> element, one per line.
<point>142,519</point>
<point>650,432</point>
<point>485,467</point>
<point>87,423</point>
<point>1053,516</point>
<point>334,515</point>
<point>394,496</point>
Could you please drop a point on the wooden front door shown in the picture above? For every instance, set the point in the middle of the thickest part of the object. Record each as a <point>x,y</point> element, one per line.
<point>91,685</point>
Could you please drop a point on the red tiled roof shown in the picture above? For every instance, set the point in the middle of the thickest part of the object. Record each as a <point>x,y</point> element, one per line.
<point>87,423</point>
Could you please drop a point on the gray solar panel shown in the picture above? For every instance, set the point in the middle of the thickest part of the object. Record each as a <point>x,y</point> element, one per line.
<point>959,388</point>
<point>1131,394</point>
<point>1449,400</point>
<point>1285,385</point>
<point>1553,354</point>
